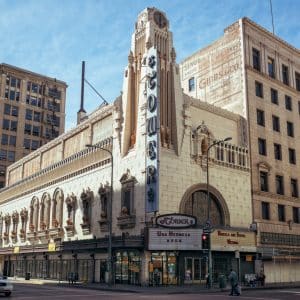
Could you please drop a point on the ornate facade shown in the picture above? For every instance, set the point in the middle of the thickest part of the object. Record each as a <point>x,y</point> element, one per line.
<point>159,139</point>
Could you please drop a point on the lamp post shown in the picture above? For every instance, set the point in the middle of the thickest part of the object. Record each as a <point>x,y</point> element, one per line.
<point>208,222</point>
<point>109,259</point>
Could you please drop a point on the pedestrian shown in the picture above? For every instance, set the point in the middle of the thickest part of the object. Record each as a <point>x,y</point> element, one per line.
<point>262,277</point>
<point>207,280</point>
<point>234,283</point>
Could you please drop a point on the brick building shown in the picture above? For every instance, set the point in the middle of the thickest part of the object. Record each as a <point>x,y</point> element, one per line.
<point>32,112</point>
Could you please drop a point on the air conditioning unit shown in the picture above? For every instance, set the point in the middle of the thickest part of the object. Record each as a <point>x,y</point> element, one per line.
<point>253,227</point>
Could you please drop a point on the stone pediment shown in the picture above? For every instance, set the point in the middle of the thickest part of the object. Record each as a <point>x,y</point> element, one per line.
<point>264,166</point>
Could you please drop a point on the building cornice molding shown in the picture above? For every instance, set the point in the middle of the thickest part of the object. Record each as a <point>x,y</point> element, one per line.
<point>270,35</point>
<point>92,118</point>
<point>6,67</point>
<point>210,108</point>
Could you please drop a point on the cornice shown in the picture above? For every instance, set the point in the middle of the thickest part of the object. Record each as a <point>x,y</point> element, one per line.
<point>6,67</point>
<point>270,35</point>
<point>95,116</point>
<point>211,108</point>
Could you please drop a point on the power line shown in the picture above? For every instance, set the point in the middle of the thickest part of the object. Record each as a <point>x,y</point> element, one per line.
<point>105,102</point>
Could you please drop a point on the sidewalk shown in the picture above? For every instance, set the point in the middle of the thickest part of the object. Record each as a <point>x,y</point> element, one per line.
<point>172,289</point>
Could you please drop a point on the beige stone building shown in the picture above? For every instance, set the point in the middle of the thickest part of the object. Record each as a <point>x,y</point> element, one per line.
<point>152,161</point>
<point>256,74</point>
<point>32,112</point>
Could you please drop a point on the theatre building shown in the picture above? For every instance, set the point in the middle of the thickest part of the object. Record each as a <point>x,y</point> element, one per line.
<point>156,151</point>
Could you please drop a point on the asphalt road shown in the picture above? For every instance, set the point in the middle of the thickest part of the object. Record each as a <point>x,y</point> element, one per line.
<point>28,291</point>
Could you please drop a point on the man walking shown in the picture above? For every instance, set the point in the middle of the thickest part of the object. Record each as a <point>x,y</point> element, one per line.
<point>234,283</point>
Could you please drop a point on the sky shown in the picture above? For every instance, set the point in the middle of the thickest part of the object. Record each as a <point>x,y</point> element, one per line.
<point>53,37</point>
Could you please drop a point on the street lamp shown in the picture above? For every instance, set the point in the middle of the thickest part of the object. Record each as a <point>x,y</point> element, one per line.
<point>109,259</point>
<point>208,222</point>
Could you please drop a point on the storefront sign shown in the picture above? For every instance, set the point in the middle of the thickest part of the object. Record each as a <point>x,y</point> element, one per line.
<point>174,239</point>
<point>152,127</point>
<point>16,249</point>
<point>176,221</point>
<point>227,240</point>
<point>51,247</point>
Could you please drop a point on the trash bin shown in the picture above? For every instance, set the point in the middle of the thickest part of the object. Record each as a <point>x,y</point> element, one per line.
<point>222,282</point>
<point>27,276</point>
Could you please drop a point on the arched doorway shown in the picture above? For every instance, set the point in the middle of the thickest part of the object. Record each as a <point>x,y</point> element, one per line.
<point>194,264</point>
<point>194,202</point>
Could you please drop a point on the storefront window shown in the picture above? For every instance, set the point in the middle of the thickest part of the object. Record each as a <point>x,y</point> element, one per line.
<point>127,267</point>
<point>163,268</point>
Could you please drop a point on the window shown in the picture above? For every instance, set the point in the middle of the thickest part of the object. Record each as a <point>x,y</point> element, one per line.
<point>292,156</point>
<point>297,81</point>
<point>265,210</point>
<point>285,75</point>
<point>12,95</point>
<point>5,124</point>
<point>6,109</point>
<point>294,187</point>
<point>264,186</point>
<point>259,89</point>
<point>288,102</point>
<point>296,214</point>
<point>290,128</point>
<point>26,144</point>
<point>3,154</point>
<point>2,170</point>
<point>271,67</point>
<point>37,116</point>
<point>191,84</point>
<point>274,96</point>
<point>281,213</point>
<point>27,128</point>
<point>276,123</point>
<point>33,100</point>
<point>277,151</point>
<point>11,156</point>
<point>260,117</point>
<point>14,111</point>
<point>4,140</point>
<point>28,115</point>
<point>12,140</point>
<point>13,125</point>
<point>34,144</point>
<point>262,147</point>
<point>36,130</point>
<point>11,110</point>
<point>279,185</point>
<point>256,59</point>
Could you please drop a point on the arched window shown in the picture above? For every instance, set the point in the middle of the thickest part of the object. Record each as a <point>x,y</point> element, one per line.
<point>195,202</point>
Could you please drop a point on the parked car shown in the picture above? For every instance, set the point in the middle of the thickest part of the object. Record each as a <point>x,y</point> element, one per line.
<point>6,286</point>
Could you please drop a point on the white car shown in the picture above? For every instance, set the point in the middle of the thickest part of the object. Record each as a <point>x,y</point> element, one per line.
<point>6,287</point>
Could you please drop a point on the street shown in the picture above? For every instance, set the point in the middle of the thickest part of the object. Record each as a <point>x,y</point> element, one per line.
<point>29,291</point>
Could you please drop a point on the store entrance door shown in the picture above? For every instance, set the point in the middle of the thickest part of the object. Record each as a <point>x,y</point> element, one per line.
<point>194,270</point>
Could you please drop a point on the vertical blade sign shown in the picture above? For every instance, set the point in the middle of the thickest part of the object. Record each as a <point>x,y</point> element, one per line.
<point>152,128</point>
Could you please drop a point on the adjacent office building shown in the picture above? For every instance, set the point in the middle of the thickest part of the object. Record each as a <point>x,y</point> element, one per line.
<point>254,73</point>
<point>32,112</point>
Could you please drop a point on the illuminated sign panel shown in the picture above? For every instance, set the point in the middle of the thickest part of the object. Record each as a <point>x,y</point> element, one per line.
<point>152,131</point>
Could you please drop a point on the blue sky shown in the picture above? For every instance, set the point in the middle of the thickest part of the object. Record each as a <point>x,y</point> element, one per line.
<point>52,37</point>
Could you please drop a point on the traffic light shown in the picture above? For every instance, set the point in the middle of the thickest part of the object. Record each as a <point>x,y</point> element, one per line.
<point>205,241</point>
